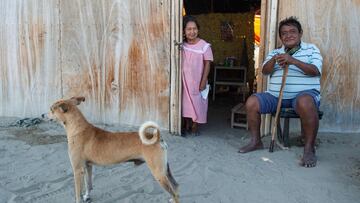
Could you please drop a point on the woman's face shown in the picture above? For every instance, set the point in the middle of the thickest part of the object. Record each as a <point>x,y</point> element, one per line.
<point>191,31</point>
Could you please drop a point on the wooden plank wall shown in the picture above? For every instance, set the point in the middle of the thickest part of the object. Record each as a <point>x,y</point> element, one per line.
<point>30,57</point>
<point>334,27</point>
<point>115,53</point>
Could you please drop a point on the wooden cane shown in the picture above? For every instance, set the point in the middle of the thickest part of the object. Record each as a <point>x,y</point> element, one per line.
<point>274,127</point>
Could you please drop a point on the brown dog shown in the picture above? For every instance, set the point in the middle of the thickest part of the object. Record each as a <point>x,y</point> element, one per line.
<point>90,145</point>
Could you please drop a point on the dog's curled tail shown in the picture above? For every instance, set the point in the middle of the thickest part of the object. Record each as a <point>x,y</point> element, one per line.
<point>149,138</point>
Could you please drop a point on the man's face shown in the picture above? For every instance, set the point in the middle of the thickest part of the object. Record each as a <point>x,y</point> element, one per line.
<point>290,36</point>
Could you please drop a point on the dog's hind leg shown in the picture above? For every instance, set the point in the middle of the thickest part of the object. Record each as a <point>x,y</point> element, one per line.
<point>174,185</point>
<point>88,181</point>
<point>171,178</point>
<point>166,183</point>
<point>161,171</point>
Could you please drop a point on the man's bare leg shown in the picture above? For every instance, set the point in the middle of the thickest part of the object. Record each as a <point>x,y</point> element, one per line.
<point>254,119</point>
<point>309,118</point>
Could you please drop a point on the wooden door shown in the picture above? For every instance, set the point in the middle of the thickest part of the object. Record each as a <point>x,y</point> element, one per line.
<point>176,40</point>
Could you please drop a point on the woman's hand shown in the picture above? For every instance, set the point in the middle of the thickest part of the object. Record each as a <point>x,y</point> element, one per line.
<point>202,85</point>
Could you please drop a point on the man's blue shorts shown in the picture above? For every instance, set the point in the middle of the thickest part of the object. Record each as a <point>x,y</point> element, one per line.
<point>268,102</point>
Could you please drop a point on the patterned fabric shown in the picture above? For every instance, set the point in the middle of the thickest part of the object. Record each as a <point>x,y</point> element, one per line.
<point>297,80</point>
<point>193,56</point>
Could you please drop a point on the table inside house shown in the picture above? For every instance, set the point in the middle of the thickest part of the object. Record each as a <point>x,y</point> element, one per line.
<point>238,78</point>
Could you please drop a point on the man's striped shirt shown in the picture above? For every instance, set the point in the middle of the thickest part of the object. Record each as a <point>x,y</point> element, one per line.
<point>296,80</point>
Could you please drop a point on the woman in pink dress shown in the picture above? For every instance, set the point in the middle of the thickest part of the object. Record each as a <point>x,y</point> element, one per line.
<point>196,59</point>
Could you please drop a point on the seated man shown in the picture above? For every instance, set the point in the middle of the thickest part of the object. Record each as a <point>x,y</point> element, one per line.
<point>301,91</point>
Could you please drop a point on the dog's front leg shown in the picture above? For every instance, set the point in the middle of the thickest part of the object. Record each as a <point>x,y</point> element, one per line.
<point>78,173</point>
<point>88,181</point>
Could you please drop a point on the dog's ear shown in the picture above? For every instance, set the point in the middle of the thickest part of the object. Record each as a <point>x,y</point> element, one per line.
<point>63,107</point>
<point>77,100</point>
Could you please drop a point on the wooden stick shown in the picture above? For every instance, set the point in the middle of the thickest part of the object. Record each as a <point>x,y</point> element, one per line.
<point>274,127</point>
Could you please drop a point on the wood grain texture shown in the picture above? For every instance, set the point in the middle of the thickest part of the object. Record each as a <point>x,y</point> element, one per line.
<point>115,53</point>
<point>29,57</point>
<point>334,27</point>
<point>175,81</point>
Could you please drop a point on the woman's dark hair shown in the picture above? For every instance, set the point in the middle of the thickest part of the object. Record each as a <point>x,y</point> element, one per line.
<point>292,20</point>
<point>189,18</point>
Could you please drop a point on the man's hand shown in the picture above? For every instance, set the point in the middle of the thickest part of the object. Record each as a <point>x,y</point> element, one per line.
<point>283,59</point>
<point>202,85</point>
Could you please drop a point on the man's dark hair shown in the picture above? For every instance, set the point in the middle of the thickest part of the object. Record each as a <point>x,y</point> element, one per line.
<point>190,18</point>
<point>292,20</point>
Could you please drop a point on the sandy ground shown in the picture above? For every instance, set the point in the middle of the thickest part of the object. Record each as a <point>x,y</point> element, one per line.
<point>34,167</point>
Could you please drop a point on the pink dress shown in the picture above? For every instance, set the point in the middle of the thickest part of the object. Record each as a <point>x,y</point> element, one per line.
<point>193,57</point>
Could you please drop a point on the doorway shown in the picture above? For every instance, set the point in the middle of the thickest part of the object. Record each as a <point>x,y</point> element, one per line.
<point>229,26</point>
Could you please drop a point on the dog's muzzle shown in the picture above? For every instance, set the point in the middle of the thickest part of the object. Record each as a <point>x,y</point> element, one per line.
<point>46,117</point>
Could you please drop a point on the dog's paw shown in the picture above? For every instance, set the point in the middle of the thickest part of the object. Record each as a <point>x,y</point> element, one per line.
<point>87,198</point>
<point>173,200</point>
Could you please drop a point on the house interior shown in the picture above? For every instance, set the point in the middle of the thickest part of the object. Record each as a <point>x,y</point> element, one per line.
<point>232,28</point>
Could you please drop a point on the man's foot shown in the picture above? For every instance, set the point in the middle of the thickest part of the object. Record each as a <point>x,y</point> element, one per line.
<point>251,147</point>
<point>309,159</point>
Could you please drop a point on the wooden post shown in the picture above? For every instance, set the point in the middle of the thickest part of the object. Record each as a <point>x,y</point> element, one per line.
<point>269,43</point>
<point>260,77</point>
<point>175,63</point>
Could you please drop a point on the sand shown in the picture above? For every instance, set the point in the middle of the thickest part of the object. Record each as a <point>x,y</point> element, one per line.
<point>34,167</point>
